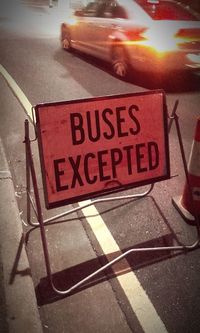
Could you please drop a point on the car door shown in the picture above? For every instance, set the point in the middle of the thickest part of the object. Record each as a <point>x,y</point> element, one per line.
<point>108,22</point>
<point>86,22</point>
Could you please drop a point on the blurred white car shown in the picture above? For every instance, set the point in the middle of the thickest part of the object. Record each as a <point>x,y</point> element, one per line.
<point>149,35</point>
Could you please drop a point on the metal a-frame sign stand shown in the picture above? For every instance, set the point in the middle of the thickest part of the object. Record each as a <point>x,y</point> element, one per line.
<point>36,205</point>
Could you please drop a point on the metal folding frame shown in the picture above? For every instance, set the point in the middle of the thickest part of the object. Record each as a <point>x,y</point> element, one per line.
<point>36,205</point>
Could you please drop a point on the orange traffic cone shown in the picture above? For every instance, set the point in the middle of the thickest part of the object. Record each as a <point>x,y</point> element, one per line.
<point>188,204</point>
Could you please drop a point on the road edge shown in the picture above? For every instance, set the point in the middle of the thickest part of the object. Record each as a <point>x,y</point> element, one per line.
<point>21,305</point>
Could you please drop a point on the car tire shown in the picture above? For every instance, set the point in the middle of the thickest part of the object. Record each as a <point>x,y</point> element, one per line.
<point>66,39</point>
<point>120,63</point>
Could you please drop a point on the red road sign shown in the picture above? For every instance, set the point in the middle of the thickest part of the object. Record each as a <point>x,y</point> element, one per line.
<point>95,146</point>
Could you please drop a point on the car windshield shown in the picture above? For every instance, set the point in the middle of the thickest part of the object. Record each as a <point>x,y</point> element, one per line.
<point>166,10</point>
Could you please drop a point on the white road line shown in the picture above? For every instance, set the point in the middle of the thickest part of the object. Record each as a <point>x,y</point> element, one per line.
<point>138,299</point>
<point>17,92</point>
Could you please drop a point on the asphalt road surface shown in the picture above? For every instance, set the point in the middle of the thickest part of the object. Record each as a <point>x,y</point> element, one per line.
<point>146,292</point>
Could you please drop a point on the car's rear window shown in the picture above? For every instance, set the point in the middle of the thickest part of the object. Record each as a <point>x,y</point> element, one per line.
<point>167,10</point>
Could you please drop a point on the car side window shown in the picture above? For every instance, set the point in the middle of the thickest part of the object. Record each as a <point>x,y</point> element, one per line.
<point>119,12</point>
<point>91,9</point>
<point>113,10</point>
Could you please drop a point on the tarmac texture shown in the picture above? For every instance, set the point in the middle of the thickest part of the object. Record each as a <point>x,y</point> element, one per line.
<point>19,309</point>
<point>17,290</point>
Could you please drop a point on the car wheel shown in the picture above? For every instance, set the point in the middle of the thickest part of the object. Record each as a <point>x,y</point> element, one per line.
<point>66,40</point>
<point>120,64</point>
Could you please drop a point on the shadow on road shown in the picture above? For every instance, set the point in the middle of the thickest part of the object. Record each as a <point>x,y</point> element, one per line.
<point>65,279</point>
<point>68,277</point>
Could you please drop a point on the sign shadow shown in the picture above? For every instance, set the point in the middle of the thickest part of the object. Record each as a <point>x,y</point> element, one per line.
<point>66,278</point>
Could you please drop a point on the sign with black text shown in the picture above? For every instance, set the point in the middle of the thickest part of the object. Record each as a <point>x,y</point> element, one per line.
<point>96,146</point>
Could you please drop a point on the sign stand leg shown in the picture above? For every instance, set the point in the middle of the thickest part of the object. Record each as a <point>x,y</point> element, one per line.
<point>30,166</point>
<point>38,211</point>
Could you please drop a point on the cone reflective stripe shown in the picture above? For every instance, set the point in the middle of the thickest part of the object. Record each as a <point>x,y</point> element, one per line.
<point>189,203</point>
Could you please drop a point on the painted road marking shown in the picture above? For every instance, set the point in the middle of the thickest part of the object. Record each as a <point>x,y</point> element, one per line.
<point>139,301</point>
<point>17,92</point>
<point>136,295</point>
